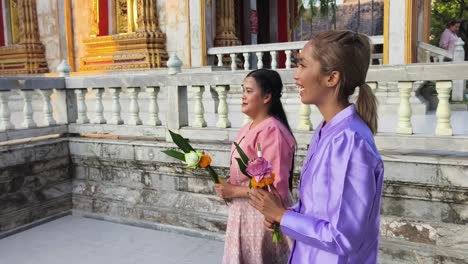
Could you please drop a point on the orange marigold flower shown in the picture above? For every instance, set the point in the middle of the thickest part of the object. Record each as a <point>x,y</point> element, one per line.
<point>264,182</point>
<point>205,161</point>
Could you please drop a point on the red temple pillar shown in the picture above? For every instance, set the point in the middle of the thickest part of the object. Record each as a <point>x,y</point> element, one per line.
<point>103,18</point>
<point>282,29</point>
<point>2,29</point>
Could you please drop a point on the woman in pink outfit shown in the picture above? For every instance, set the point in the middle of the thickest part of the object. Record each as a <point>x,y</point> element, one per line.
<point>247,241</point>
<point>449,36</point>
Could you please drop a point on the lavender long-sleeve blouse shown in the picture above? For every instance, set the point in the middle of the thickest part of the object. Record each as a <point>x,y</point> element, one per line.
<point>336,219</point>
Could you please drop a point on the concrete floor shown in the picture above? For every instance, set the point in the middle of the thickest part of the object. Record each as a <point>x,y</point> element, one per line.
<point>76,240</point>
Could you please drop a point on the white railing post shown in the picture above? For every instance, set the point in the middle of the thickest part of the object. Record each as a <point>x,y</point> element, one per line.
<point>134,107</point>
<point>47,108</point>
<point>116,118</point>
<point>246,61</point>
<point>199,108</point>
<point>458,86</point>
<point>98,107</point>
<point>443,128</point>
<point>5,122</point>
<point>223,121</point>
<point>304,118</point>
<point>274,62</point>
<point>220,59</point>
<point>153,107</point>
<point>81,105</point>
<point>177,114</point>
<point>233,62</point>
<point>28,121</point>
<point>288,59</point>
<point>404,111</point>
<point>428,56</point>
<point>259,60</point>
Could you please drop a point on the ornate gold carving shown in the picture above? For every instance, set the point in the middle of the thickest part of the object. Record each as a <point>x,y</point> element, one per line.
<point>14,22</point>
<point>225,29</point>
<point>28,55</point>
<point>94,19</point>
<point>121,16</point>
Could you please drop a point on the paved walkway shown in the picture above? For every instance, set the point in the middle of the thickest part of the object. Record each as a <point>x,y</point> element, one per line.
<point>78,240</point>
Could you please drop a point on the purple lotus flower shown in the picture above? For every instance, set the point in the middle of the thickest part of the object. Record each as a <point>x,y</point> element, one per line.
<point>259,168</point>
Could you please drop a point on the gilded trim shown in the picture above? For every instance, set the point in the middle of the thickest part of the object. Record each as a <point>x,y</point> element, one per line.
<point>189,41</point>
<point>427,20</point>
<point>69,35</point>
<point>408,31</point>
<point>386,31</point>
<point>203,33</point>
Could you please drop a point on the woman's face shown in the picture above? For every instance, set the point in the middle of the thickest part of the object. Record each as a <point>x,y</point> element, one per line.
<point>455,28</point>
<point>310,81</point>
<point>253,99</point>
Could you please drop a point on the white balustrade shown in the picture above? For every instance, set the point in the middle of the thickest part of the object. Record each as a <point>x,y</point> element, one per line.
<point>233,62</point>
<point>28,121</point>
<point>404,111</point>
<point>288,59</point>
<point>5,122</point>
<point>98,107</point>
<point>259,60</point>
<point>443,128</point>
<point>274,63</point>
<point>304,117</point>
<point>116,118</point>
<point>153,107</point>
<point>81,105</point>
<point>246,61</point>
<point>223,121</point>
<point>134,107</point>
<point>220,59</point>
<point>47,107</point>
<point>199,108</point>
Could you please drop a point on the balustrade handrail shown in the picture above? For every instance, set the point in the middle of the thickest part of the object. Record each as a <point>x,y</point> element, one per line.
<point>293,45</point>
<point>31,83</point>
<point>436,50</point>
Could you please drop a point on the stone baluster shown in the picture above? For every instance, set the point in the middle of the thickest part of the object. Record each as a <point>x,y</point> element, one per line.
<point>98,106</point>
<point>435,59</point>
<point>233,62</point>
<point>5,122</point>
<point>404,111</point>
<point>47,108</point>
<point>428,56</point>
<point>247,119</point>
<point>288,59</point>
<point>274,63</point>
<point>28,121</point>
<point>220,59</point>
<point>443,128</point>
<point>304,117</point>
<point>223,121</point>
<point>81,105</point>
<point>134,108</point>
<point>246,61</point>
<point>199,108</point>
<point>116,118</point>
<point>259,60</point>
<point>441,58</point>
<point>380,61</point>
<point>153,107</point>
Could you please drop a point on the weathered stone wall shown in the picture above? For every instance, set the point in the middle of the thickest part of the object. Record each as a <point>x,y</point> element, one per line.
<point>35,182</point>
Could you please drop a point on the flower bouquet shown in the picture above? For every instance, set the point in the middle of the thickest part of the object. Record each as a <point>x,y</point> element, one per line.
<point>192,158</point>
<point>261,175</point>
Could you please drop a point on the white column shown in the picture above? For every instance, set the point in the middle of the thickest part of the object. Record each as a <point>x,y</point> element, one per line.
<point>246,61</point>
<point>304,117</point>
<point>199,108</point>
<point>116,118</point>
<point>98,107</point>
<point>134,108</point>
<point>233,62</point>
<point>458,86</point>
<point>5,122</point>
<point>259,60</point>
<point>223,121</point>
<point>443,128</point>
<point>81,105</point>
<point>404,111</point>
<point>288,59</point>
<point>274,63</point>
<point>396,36</point>
<point>28,121</point>
<point>47,107</point>
<point>153,107</point>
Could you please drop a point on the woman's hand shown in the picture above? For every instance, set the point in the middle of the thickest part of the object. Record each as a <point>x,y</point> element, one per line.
<point>269,204</point>
<point>225,190</point>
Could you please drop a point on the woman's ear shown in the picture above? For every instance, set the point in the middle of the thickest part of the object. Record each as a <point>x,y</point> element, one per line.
<point>333,79</point>
<point>267,98</point>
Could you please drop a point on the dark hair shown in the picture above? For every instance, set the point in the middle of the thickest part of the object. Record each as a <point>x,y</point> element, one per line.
<point>348,53</point>
<point>269,81</point>
<point>453,22</point>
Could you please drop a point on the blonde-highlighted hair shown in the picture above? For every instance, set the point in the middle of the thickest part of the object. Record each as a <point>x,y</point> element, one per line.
<point>348,53</point>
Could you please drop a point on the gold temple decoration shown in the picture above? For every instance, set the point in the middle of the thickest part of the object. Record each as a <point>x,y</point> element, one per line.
<point>225,24</point>
<point>94,19</point>
<point>27,55</point>
<point>141,46</point>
